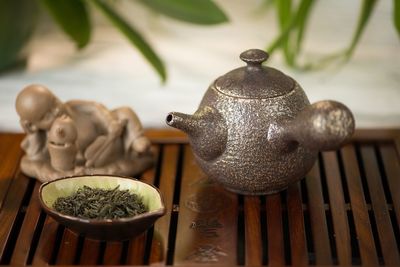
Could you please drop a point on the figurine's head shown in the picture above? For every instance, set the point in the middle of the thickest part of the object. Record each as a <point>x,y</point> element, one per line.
<point>38,107</point>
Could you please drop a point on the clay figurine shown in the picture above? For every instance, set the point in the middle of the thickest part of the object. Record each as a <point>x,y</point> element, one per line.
<point>78,137</point>
<point>255,131</point>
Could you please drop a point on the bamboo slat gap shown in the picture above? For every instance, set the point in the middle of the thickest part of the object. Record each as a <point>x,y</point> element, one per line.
<point>12,215</point>
<point>25,237</point>
<point>318,220</point>
<point>36,236</point>
<point>48,243</point>
<point>391,162</point>
<point>337,207</point>
<point>359,208</point>
<point>173,225</point>
<point>379,204</point>
<point>167,172</point>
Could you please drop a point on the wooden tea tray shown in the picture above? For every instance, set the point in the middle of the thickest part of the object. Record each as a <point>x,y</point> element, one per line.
<point>346,212</point>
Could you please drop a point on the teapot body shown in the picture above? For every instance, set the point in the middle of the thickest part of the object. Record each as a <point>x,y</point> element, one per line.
<point>253,161</point>
<point>255,131</point>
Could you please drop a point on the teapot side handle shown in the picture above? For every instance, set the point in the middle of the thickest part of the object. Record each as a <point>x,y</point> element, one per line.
<point>324,125</point>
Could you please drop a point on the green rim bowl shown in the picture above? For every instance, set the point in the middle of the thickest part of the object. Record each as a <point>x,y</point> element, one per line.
<point>104,229</point>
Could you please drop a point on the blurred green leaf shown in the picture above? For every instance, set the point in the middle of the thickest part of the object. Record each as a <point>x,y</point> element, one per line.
<point>396,15</point>
<point>365,14</point>
<point>133,36</point>
<point>284,8</point>
<point>297,25</point>
<point>281,39</point>
<point>73,17</point>
<point>194,11</point>
<point>291,23</point>
<point>304,10</point>
<point>17,22</point>
<point>343,56</point>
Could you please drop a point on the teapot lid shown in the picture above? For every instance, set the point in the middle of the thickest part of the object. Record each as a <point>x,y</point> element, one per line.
<point>254,80</point>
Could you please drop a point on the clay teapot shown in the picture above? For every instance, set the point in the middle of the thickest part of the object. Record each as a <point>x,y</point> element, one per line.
<point>255,131</point>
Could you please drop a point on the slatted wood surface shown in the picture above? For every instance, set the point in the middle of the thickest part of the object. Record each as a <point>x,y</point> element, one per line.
<point>345,212</point>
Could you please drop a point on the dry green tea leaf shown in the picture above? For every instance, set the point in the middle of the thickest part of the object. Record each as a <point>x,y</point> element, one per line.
<point>96,203</point>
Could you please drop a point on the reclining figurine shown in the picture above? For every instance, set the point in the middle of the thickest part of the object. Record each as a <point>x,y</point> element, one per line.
<point>78,137</point>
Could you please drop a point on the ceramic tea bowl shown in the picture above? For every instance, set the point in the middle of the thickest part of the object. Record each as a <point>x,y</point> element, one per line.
<point>103,229</point>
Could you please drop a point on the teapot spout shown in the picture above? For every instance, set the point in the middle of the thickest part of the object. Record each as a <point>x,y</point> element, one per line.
<point>183,122</point>
<point>206,129</point>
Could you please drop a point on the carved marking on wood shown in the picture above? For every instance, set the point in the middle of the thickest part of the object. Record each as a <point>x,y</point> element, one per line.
<point>206,253</point>
<point>207,227</point>
<point>208,200</point>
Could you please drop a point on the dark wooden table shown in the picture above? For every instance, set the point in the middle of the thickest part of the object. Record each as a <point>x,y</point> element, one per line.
<point>346,212</point>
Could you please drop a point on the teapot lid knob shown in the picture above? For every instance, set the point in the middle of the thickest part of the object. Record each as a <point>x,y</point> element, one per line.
<point>254,56</point>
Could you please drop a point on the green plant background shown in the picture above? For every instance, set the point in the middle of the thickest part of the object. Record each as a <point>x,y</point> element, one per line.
<point>14,34</point>
<point>73,17</point>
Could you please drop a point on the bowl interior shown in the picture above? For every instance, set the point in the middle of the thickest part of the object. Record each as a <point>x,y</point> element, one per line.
<point>67,186</point>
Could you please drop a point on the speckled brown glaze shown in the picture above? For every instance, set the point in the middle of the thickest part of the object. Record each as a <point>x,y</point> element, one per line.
<point>255,131</point>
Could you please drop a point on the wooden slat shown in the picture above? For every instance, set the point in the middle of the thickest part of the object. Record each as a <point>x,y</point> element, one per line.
<point>166,136</point>
<point>10,154</point>
<point>376,134</point>
<point>157,251</point>
<point>67,252</point>
<point>90,252</point>
<point>112,253</point>
<point>10,209</point>
<point>359,207</point>
<point>150,175</point>
<point>253,239</point>
<point>276,248</point>
<point>23,245</point>
<point>207,225</point>
<point>136,250</point>
<point>338,208</point>
<point>392,169</point>
<point>174,136</point>
<point>159,247</point>
<point>12,185</point>
<point>136,247</point>
<point>169,135</point>
<point>319,226</point>
<point>45,247</point>
<point>298,244</point>
<point>276,254</point>
<point>389,247</point>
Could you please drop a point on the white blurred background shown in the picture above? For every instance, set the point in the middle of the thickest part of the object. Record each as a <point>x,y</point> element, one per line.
<point>112,71</point>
